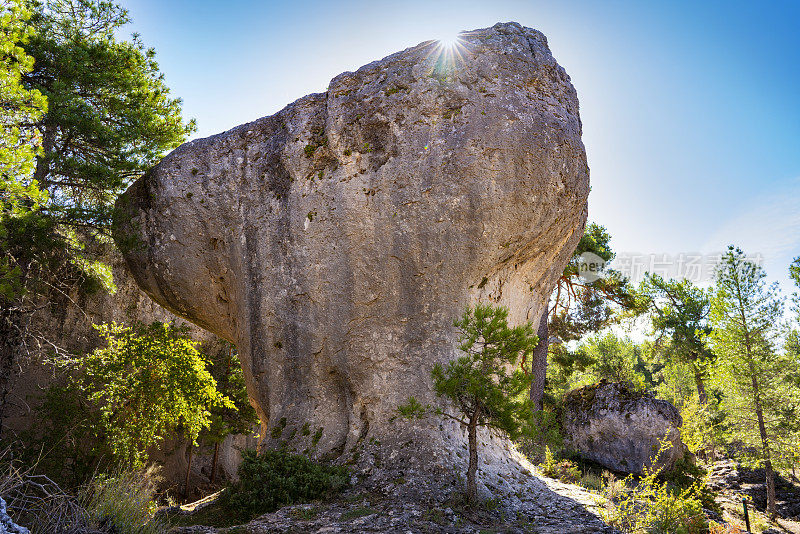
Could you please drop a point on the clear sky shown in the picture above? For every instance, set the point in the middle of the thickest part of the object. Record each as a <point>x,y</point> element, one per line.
<point>691,110</point>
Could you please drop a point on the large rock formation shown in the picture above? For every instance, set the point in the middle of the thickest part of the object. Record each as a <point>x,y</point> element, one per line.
<point>335,241</point>
<point>622,429</point>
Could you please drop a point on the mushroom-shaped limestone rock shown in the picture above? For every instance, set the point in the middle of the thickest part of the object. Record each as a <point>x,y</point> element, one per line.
<point>336,241</point>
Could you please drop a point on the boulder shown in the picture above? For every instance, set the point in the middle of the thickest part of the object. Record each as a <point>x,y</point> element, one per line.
<point>622,429</point>
<point>335,241</point>
<point>7,525</point>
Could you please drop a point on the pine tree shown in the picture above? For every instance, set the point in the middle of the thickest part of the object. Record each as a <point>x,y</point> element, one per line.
<point>577,305</point>
<point>109,117</point>
<point>485,385</point>
<point>680,310</point>
<point>745,315</point>
<point>21,107</point>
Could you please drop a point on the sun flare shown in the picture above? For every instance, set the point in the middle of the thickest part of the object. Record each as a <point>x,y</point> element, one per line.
<point>449,41</point>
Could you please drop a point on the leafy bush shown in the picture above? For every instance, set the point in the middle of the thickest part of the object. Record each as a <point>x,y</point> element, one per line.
<point>564,470</point>
<point>273,479</point>
<point>654,507</point>
<point>613,488</point>
<point>685,474</point>
<point>147,382</point>
<point>702,430</point>
<point>544,432</point>
<point>591,482</point>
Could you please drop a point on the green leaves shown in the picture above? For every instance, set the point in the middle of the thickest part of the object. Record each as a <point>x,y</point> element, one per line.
<point>579,306</point>
<point>273,479</point>
<point>680,310</point>
<point>755,376</point>
<point>240,416</point>
<point>147,382</point>
<point>110,116</point>
<point>413,409</point>
<point>83,114</point>
<point>481,382</point>
<point>22,106</point>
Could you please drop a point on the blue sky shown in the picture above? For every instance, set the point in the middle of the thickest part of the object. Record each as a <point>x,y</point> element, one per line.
<point>691,110</point>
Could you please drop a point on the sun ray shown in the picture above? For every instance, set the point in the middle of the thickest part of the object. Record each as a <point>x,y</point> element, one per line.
<point>448,53</point>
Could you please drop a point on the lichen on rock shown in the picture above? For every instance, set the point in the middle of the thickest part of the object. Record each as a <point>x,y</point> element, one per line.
<point>622,428</point>
<point>335,241</point>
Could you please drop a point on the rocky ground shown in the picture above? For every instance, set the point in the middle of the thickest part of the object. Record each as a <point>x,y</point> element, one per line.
<point>527,503</point>
<point>734,482</point>
<point>404,501</point>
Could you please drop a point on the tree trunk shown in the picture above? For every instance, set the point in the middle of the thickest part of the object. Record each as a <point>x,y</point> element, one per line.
<point>472,486</point>
<point>768,472</point>
<point>214,462</point>
<point>9,345</point>
<point>188,474</point>
<point>40,174</point>
<point>539,362</point>
<point>701,387</point>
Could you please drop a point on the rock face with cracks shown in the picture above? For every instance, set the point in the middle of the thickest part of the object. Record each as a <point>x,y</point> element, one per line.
<point>622,429</point>
<point>335,241</point>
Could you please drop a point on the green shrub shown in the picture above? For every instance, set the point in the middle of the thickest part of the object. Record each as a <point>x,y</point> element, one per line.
<point>273,479</point>
<point>124,502</point>
<point>544,431</point>
<point>564,470</point>
<point>684,475</point>
<point>146,383</point>
<point>613,488</point>
<point>655,507</point>
<point>591,482</point>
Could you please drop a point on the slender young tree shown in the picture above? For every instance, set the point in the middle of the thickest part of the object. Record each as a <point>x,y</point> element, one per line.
<point>679,309</point>
<point>227,420</point>
<point>745,314</point>
<point>485,384</point>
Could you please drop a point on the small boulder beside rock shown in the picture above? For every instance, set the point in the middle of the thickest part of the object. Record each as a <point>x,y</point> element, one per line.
<point>7,525</point>
<point>620,428</point>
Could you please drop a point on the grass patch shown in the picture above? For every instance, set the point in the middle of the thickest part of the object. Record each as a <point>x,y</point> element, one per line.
<point>213,515</point>
<point>358,512</point>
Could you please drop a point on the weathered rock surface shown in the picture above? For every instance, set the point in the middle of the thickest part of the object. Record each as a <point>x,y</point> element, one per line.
<point>393,499</point>
<point>621,429</point>
<point>733,481</point>
<point>7,525</point>
<point>335,241</point>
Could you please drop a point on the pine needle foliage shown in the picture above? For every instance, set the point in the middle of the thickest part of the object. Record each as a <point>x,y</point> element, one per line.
<point>485,385</point>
